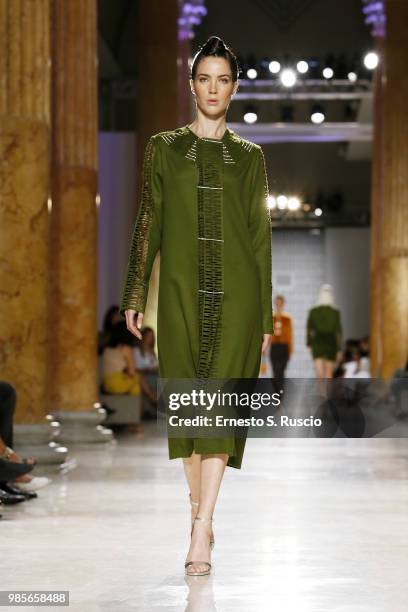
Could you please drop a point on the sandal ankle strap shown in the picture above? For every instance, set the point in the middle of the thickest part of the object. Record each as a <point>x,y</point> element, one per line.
<point>202,518</point>
<point>193,503</point>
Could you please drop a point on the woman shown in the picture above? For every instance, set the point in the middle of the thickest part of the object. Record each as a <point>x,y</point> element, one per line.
<point>204,205</point>
<point>119,374</point>
<point>324,335</point>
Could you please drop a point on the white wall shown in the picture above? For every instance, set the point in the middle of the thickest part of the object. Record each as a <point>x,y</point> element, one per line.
<point>302,261</point>
<point>347,257</point>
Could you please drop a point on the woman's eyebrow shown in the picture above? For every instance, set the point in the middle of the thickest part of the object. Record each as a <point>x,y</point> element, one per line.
<point>220,75</point>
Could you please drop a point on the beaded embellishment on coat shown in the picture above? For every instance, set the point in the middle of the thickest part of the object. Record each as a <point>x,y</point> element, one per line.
<point>210,252</point>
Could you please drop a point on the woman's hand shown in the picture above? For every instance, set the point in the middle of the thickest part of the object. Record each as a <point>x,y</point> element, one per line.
<point>134,322</point>
<point>266,341</point>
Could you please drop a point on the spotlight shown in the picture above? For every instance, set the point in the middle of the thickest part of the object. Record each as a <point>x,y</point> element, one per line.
<point>282,202</point>
<point>250,114</point>
<point>302,67</point>
<point>252,73</point>
<point>352,77</point>
<point>271,202</point>
<point>318,212</point>
<point>371,60</point>
<point>288,77</point>
<point>317,115</point>
<point>274,67</point>
<point>293,203</point>
<point>328,73</point>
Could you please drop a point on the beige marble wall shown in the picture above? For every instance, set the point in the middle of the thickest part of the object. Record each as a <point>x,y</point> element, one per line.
<point>73,252</point>
<point>24,190</point>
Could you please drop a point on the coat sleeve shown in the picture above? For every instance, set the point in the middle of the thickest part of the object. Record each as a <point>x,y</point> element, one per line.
<point>146,236</point>
<point>260,228</point>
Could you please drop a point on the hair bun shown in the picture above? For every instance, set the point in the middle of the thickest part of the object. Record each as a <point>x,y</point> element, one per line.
<point>216,47</point>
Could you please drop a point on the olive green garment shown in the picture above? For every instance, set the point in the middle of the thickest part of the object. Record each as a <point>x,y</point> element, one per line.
<point>324,332</point>
<point>204,206</point>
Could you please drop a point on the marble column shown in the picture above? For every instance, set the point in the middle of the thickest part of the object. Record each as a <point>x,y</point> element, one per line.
<point>157,95</point>
<point>394,236</point>
<point>24,191</point>
<point>73,252</point>
<point>164,99</point>
<point>377,188</point>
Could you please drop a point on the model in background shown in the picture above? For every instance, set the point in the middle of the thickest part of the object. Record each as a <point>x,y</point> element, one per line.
<point>204,206</point>
<point>281,346</point>
<point>324,335</point>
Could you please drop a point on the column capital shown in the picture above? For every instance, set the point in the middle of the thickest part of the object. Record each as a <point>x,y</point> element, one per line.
<point>191,13</point>
<point>374,12</point>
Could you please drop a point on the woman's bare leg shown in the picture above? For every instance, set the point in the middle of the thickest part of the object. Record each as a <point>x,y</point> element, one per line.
<point>320,374</point>
<point>192,470</point>
<point>212,471</point>
<point>328,369</point>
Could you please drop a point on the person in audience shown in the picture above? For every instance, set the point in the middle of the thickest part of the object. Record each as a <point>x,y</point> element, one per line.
<point>112,317</point>
<point>351,360</point>
<point>147,364</point>
<point>281,346</point>
<point>119,374</point>
<point>21,485</point>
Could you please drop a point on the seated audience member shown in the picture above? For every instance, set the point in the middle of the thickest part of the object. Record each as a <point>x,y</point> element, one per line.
<point>350,361</point>
<point>14,487</point>
<point>147,364</point>
<point>119,373</point>
<point>112,316</point>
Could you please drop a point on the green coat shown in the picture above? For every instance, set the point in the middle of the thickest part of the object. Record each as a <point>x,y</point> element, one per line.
<point>324,332</point>
<point>204,206</point>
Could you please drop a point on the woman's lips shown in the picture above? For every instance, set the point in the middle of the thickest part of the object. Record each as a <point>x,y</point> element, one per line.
<point>212,101</point>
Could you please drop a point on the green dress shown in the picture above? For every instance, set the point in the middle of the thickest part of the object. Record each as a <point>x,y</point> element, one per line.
<point>324,332</point>
<point>204,206</point>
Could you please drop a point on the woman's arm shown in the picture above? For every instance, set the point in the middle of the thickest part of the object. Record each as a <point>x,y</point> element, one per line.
<point>146,236</point>
<point>260,227</point>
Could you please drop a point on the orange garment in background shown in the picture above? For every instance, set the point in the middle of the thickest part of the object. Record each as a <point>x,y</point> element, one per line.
<point>282,330</point>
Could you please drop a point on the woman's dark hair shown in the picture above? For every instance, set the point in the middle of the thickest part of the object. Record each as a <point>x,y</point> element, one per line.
<point>215,47</point>
<point>145,331</point>
<point>109,316</point>
<point>120,335</point>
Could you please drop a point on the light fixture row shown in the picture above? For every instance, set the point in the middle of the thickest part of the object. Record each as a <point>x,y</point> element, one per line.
<point>289,76</point>
<point>290,203</point>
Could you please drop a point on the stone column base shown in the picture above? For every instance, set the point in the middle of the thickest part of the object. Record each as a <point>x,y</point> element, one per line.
<point>81,427</point>
<point>38,441</point>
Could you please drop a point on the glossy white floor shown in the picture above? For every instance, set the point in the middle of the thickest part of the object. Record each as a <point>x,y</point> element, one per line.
<point>307,525</point>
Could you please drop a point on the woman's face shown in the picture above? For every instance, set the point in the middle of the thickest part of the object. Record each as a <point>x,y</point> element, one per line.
<point>213,86</point>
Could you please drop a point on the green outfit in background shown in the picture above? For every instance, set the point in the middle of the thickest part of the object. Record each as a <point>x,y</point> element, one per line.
<point>204,206</point>
<point>324,332</point>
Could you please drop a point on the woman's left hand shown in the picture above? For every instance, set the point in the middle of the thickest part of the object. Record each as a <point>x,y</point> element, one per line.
<point>266,341</point>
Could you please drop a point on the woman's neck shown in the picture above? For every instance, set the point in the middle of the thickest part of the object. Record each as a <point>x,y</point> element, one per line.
<point>209,128</point>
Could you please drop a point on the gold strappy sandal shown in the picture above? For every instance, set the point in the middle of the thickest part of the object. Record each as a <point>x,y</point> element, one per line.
<point>212,540</point>
<point>187,565</point>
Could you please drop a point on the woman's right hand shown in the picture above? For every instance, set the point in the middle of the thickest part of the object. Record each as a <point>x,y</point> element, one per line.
<point>134,322</point>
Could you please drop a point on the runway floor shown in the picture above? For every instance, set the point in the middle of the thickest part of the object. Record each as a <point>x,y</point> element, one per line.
<point>307,525</point>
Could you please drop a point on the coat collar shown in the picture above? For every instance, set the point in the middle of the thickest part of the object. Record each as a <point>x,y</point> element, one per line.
<point>185,141</point>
